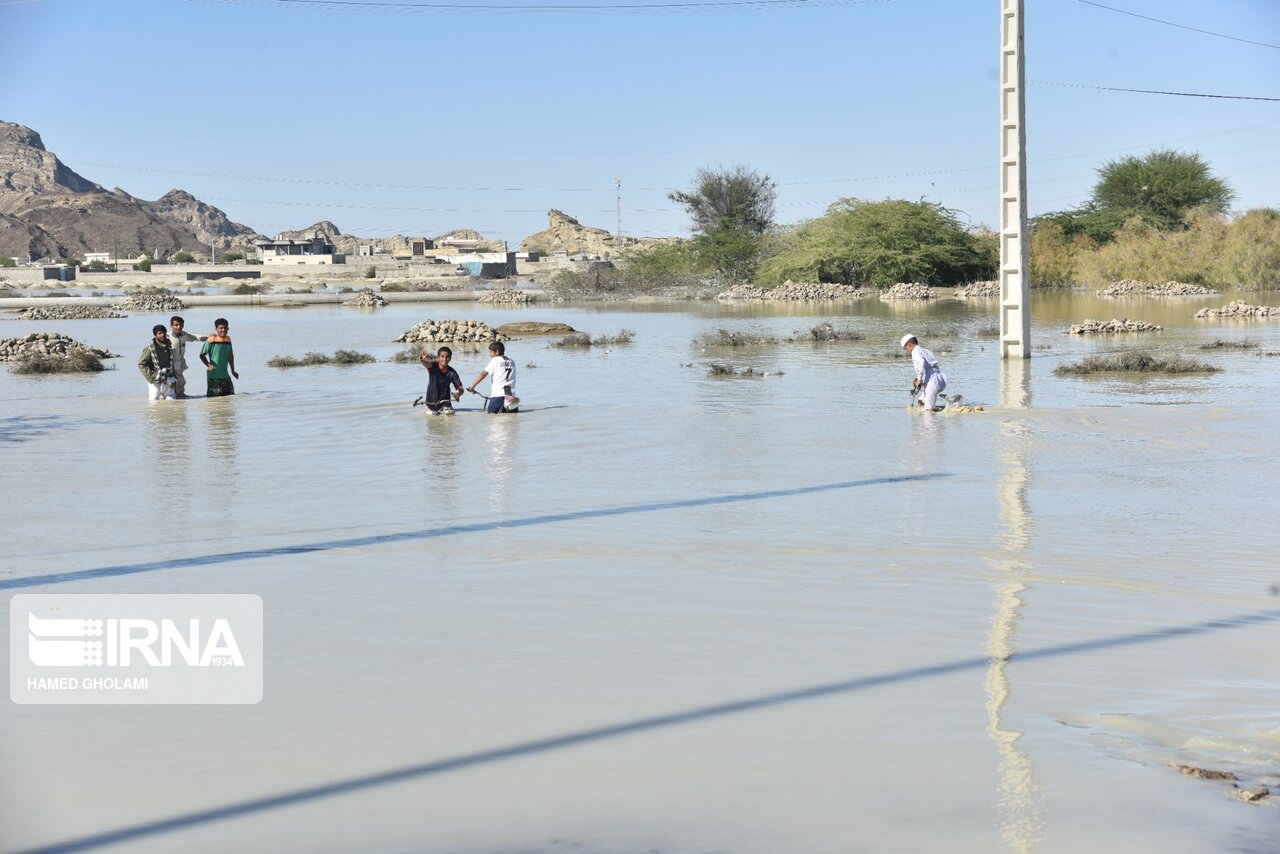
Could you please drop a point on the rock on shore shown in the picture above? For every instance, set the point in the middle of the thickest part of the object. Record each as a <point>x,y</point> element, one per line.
<point>45,344</point>
<point>976,290</point>
<point>451,332</point>
<point>507,296</point>
<point>68,312</point>
<point>366,298</point>
<point>1133,288</point>
<point>151,302</point>
<point>790,291</point>
<point>909,290</point>
<point>1240,308</point>
<point>1112,327</point>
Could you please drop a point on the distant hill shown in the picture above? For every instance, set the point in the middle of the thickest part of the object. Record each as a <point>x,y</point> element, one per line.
<point>48,210</point>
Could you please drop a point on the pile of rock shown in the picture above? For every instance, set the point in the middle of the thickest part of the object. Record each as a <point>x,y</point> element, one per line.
<point>1112,327</point>
<point>151,302</point>
<point>44,344</point>
<point>451,332</point>
<point>979,290</point>
<point>1132,288</point>
<point>366,298</point>
<point>68,312</point>
<point>1240,308</point>
<point>508,296</point>
<point>790,291</point>
<point>909,290</point>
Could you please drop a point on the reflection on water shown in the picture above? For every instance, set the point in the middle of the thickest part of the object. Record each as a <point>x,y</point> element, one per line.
<point>500,461</point>
<point>440,465</point>
<point>1020,809</point>
<point>224,441</point>
<point>170,437</point>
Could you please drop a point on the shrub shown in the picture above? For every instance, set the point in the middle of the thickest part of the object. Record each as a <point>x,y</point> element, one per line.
<point>880,243</point>
<point>1134,362</point>
<point>228,257</point>
<point>410,353</point>
<point>394,288</point>
<point>371,272</point>
<point>183,257</point>
<point>144,265</point>
<point>74,362</point>
<point>6,261</point>
<point>245,289</point>
<point>96,266</point>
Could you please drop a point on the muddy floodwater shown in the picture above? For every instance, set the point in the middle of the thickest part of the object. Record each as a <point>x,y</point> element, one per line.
<point>661,611</point>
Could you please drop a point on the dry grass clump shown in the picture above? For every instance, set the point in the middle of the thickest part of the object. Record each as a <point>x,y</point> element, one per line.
<point>74,362</point>
<point>582,339</point>
<point>339,357</point>
<point>1229,345</point>
<point>989,330</point>
<point>1131,362</point>
<point>245,290</point>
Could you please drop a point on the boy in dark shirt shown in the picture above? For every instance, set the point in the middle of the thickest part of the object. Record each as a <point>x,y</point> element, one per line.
<point>439,378</point>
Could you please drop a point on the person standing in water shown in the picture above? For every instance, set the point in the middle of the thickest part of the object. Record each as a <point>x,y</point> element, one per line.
<point>219,360</point>
<point>178,340</point>
<point>929,375</point>
<point>502,393</point>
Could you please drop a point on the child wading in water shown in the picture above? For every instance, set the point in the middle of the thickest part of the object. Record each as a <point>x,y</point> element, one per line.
<point>219,360</point>
<point>439,378</point>
<point>502,394</point>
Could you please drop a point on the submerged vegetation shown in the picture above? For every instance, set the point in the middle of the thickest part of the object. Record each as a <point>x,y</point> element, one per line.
<point>1132,362</point>
<point>73,362</point>
<point>582,339</point>
<point>339,357</point>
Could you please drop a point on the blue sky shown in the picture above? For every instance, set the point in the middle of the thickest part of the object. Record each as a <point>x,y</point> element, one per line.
<point>417,122</point>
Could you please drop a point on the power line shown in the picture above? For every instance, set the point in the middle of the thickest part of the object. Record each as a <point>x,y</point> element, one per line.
<point>556,8</point>
<point>1180,26</point>
<point>1152,91</point>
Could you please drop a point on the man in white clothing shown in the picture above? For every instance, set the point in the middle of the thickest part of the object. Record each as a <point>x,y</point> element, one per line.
<point>929,375</point>
<point>178,339</point>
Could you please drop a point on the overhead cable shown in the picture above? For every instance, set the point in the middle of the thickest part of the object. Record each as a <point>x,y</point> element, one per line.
<point>1180,26</point>
<point>1152,91</point>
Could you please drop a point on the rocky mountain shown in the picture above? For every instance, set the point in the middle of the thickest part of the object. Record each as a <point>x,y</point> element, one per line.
<point>565,232</point>
<point>48,210</point>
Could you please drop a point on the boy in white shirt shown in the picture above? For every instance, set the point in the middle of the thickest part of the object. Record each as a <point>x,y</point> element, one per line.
<point>502,393</point>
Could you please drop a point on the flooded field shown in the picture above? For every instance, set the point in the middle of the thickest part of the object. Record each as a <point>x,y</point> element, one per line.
<point>662,611</point>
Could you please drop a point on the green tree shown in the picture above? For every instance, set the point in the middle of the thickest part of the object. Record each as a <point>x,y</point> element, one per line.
<point>731,210</point>
<point>228,257</point>
<point>6,261</point>
<point>881,243</point>
<point>1161,188</point>
<point>183,257</point>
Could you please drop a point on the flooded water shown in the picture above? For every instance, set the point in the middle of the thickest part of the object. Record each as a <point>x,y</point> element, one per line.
<point>663,611</point>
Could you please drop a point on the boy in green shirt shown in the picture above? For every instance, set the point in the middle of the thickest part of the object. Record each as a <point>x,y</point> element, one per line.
<point>219,360</point>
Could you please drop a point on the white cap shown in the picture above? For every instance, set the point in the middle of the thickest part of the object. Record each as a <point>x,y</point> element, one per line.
<point>905,339</point>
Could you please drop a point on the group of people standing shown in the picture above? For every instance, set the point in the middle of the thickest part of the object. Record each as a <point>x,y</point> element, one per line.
<point>444,386</point>
<point>163,363</point>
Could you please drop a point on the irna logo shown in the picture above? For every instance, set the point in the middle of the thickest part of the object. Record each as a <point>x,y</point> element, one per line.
<point>113,642</point>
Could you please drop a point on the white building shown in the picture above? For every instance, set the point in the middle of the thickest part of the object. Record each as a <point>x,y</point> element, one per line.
<point>311,248</point>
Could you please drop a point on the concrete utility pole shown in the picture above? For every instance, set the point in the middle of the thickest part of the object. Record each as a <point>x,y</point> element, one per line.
<point>1015,292</point>
<point>617,183</point>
